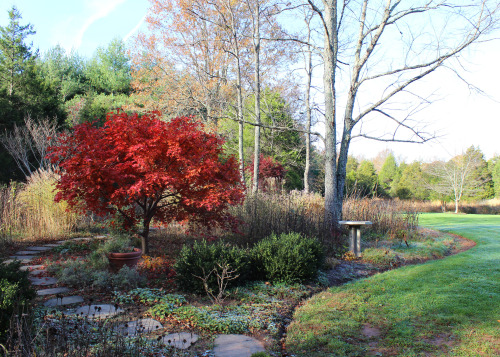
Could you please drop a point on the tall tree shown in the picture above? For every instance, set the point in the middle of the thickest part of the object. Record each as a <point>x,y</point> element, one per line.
<point>387,173</point>
<point>22,90</point>
<point>64,72</point>
<point>388,51</point>
<point>458,177</point>
<point>109,69</point>
<point>16,55</point>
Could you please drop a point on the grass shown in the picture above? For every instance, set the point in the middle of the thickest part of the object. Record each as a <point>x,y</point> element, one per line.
<point>447,307</point>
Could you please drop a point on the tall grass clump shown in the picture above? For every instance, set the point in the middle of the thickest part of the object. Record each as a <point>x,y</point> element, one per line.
<point>388,216</point>
<point>29,210</point>
<point>266,214</point>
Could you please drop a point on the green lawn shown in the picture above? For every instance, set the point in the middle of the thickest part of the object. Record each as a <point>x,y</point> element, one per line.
<point>447,307</point>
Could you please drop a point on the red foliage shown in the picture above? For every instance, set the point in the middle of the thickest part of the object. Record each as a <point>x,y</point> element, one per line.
<point>269,169</point>
<point>145,168</point>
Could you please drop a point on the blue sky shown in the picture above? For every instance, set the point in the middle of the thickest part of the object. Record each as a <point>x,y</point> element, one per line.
<point>460,117</point>
<point>82,25</point>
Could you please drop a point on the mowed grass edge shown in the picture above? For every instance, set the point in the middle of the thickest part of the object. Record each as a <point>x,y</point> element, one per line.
<point>446,307</point>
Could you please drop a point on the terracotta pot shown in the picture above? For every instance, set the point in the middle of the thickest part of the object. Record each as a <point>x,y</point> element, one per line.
<point>130,259</point>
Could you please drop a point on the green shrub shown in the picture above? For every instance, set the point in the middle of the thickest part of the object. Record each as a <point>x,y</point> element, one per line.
<point>15,293</point>
<point>203,258</point>
<point>288,258</point>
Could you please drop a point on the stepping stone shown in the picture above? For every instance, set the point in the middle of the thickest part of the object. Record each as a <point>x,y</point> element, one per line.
<point>67,300</point>
<point>37,272</point>
<point>81,239</point>
<point>52,291</point>
<point>43,281</point>
<point>236,345</point>
<point>52,245</point>
<point>26,252</point>
<point>98,311</point>
<point>134,328</point>
<point>39,249</point>
<point>23,258</point>
<point>182,340</point>
<point>61,241</point>
<point>30,267</point>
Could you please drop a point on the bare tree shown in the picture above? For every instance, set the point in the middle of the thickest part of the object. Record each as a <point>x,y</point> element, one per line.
<point>28,144</point>
<point>456,177</point>
<point>386,46</point>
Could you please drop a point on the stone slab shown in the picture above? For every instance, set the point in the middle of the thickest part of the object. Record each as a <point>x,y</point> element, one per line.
<point>52,291</point>
<point>236,345</point>
<point>138,327</point>
<point>52,245</point>
<point>81,239</point>
<point>30,267</point>
<point>182,340</point>
<point>37,271</point>
<point>67,300</point>
<point>39,249</point>
<point>23,258</point>
<point>98,311</point>
<point>26,252</point>
<point>46,280</point>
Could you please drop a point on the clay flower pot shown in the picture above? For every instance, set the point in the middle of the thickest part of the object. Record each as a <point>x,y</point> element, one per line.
<point>118,260</point>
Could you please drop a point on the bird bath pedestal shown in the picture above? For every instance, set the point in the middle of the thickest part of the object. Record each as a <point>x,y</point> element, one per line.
<point>355,235</point>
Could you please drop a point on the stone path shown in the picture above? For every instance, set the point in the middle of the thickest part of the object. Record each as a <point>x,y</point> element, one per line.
<point>225,345</point>
<point>236,346</point>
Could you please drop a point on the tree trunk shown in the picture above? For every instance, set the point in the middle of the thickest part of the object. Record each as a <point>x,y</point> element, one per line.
<point>256,39</point>
<point>307,167</point>
<point>330,62</point>
<point>240,123</point>
<point>456,206</point>
<point>145,236</point>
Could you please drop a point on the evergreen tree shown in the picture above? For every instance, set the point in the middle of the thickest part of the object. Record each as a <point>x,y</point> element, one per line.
<point>481,174</point>
<point>109,70</point>
<point>412,183</point>
<point>366,179</point>
<point>22,90</point>
<point>387,174</point>
<point>494,168</point>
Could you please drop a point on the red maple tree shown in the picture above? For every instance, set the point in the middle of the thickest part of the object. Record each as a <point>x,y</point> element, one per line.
<point>145,168</point>
<point>269,169</point>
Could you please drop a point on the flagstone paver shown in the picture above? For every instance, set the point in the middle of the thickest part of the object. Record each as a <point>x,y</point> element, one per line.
<point>52,291</point>
<point>23,258</point>
<point>26,252</point>
<point>52,245</point>
<point>236,345</point>
<point>182,340</point>
<point>137,327</point>
<point>30,267</point>
<point>67,300</point>
<point>37,272</point>
<point>46,280</point>
<point>98,311</point>
<point>39,249</point>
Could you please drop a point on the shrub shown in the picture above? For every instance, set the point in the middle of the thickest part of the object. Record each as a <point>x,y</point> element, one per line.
<point>203,258</point>
<point>79,273</point>
<point>288,257</point>
<point>15,293</point>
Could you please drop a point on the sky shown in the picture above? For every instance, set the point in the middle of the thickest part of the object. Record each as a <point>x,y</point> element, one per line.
<point>459,117</point>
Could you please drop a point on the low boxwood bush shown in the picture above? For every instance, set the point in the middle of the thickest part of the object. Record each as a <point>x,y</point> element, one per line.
<point>15,293</point>
<point>203,258</point>
<point>287,258</point>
